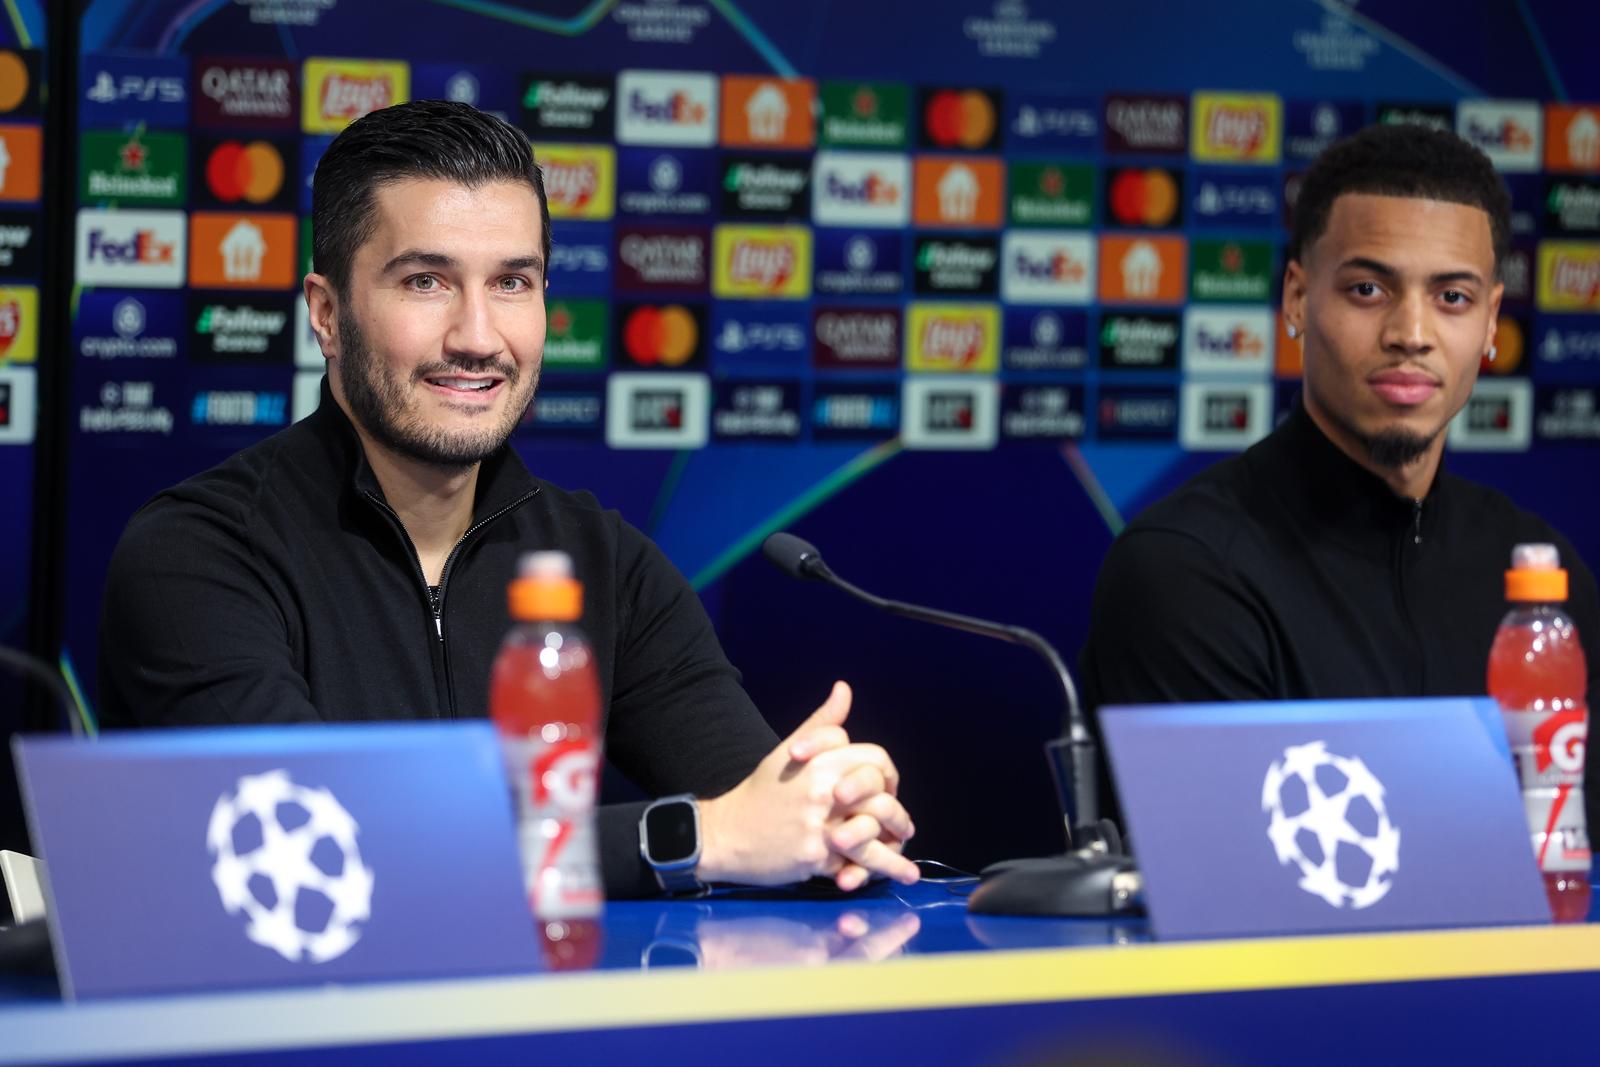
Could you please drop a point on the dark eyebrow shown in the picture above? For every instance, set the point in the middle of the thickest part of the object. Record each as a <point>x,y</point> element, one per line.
<point>1363,263</point>
<point>1442,278</point>
<point>533,263</point>
<point>1445,277</point>
<point>420,258</point>
<point>441,261</point>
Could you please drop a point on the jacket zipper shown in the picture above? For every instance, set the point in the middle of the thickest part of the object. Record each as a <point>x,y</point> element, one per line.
<point>436,604</point>
<point>1400,592</point>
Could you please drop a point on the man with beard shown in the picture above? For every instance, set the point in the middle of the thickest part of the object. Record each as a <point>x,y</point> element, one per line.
<point>1336,558</point>
<point>354,566</point>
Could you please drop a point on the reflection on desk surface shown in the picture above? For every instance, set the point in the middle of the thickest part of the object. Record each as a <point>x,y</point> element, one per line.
<point>765,928</point>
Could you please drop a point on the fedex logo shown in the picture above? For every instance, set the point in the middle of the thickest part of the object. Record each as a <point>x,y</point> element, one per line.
<point>1228,340</point>
<point>873,189</point>
<point>131,248</point>
<point>679,109</point>
<point>143,246</point>
<point>1048,268</point>
<point>667,108</point>
<point>1510,132</point>
<point>861,189</point>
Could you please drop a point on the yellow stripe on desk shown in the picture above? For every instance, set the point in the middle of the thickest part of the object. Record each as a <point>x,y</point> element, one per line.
<point>442,1010</point>
<point>989,978</point>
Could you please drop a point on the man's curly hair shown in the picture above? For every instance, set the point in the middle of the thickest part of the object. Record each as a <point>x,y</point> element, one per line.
<point>1401,160</point>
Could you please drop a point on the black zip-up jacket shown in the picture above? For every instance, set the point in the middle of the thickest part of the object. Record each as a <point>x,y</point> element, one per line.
<point>1290,572</point>
<point>280,587</point>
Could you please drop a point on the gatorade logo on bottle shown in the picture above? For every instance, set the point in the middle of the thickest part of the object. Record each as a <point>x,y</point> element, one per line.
<point>1560,740</point>
<point>564,775</point>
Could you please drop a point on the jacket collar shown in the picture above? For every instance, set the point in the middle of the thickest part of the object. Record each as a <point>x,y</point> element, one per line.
<point>503,479</point>
<point>1316,481</point>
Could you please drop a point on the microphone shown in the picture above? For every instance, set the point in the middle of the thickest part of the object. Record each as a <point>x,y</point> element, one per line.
<point>1094,879</point>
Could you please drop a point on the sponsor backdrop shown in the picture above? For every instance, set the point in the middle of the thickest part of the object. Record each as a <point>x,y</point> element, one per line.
<point>22,44</point>
<point>953,290</point>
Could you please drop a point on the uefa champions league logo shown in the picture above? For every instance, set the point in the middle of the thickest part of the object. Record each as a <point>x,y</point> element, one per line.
<point>286,857</point>
<point>1328,819</point>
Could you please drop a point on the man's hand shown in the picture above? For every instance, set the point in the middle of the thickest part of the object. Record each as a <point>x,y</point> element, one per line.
<point>817,804</point>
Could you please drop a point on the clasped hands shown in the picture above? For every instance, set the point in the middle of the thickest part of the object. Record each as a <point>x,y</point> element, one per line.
<point>818,804</point>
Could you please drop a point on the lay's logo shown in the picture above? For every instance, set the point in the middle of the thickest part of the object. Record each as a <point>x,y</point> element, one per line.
<point>1569,276</point>
<point>580,181</point>
<point>1236,127</point>
<point>757,262</point>
<point>953,337</point>
<point>339,91</point>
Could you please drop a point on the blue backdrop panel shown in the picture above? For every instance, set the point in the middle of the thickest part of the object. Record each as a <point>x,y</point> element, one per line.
<point>1015,530</point>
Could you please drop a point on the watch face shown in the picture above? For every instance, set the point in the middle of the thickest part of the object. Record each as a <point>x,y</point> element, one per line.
<point>670,832</point>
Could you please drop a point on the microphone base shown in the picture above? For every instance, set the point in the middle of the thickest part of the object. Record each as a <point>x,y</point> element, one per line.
<point>1087,882</point>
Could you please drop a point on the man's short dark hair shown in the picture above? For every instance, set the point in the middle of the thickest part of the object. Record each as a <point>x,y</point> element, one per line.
<point>437,139</point>
<point>1401,160</point>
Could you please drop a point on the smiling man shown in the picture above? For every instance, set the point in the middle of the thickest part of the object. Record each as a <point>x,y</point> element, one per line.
<point>1336,558</point>
<point>354,566</point>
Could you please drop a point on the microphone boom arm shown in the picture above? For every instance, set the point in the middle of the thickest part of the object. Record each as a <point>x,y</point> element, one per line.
<point>1082,805</point>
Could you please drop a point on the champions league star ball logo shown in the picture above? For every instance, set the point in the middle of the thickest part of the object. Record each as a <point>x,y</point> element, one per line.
<point>286,857</point>
<point>1328,819</point>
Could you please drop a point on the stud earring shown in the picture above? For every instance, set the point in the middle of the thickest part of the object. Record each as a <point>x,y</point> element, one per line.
<point>1493,351</point>
<point>1292,330</point>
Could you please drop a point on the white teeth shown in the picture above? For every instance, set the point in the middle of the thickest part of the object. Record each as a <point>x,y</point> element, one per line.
<point>471,384</point>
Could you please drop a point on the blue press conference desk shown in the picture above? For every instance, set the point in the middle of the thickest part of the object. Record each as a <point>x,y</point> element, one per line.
<point>770,979</point>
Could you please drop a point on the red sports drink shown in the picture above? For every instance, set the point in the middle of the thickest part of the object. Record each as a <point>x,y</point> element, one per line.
<point>1538,675</point>
<point>545,702</point>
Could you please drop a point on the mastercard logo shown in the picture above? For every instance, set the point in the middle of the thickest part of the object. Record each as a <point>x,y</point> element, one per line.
<point>959,119</point>
<point>1143,197</point>
<point>661,336</point>
<point>1509,347</point>
<point>250,172</point>
<point>14,81</point>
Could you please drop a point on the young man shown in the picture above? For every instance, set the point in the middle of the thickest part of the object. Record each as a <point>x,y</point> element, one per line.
<point>355,565</point>
<point>1336,558</point>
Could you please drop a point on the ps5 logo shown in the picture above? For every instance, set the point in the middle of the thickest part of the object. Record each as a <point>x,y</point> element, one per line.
<point>109,89</point>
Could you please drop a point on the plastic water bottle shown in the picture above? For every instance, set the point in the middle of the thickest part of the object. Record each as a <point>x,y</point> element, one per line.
<point>545,702</point>
<point>1538,675</point>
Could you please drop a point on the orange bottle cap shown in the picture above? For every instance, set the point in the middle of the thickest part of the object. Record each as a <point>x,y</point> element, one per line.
<point>1536,574</point>
<point>555,599</point>
<point>545,589</point>
<point>1540,587</point>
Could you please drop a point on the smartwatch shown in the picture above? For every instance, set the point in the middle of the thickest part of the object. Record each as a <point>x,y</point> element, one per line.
<point>669,841</point>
